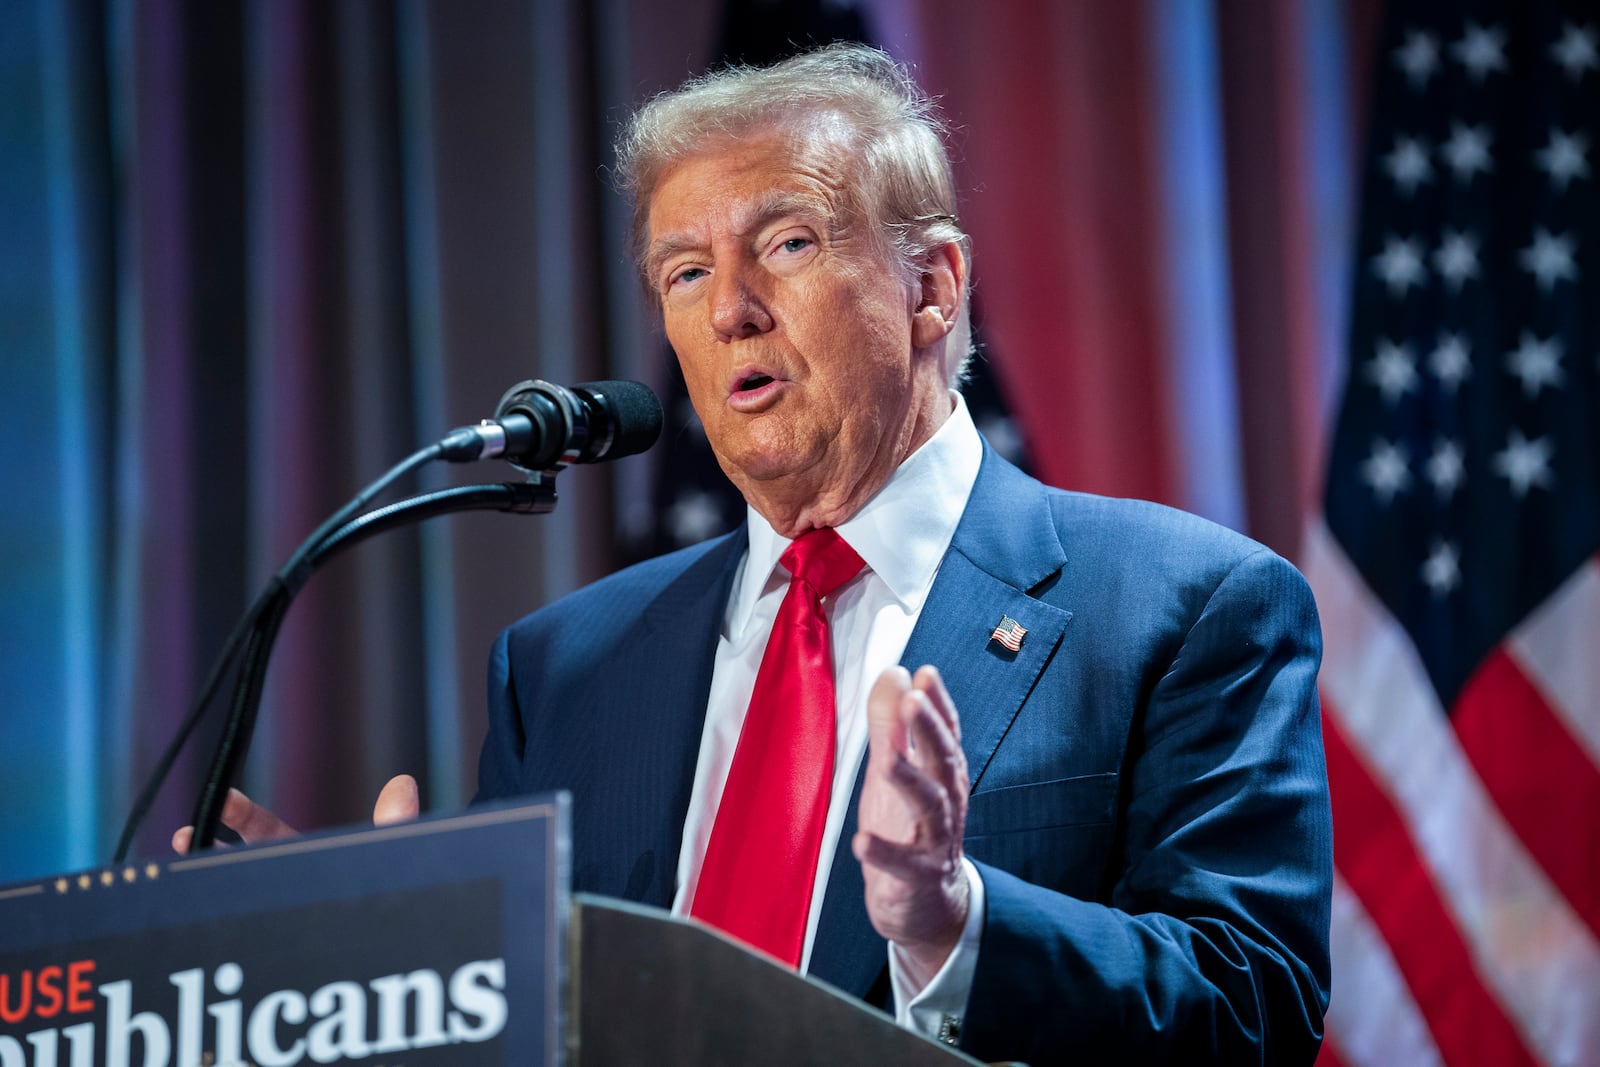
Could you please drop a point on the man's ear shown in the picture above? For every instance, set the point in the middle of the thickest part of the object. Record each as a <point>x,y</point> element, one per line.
<point>941,282</point>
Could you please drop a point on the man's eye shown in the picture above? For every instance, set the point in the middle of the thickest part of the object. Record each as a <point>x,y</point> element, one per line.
<point>685,276</point>
<point>796,244</point>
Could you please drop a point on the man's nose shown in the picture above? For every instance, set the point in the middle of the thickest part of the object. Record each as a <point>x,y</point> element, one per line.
<point>737,309</point>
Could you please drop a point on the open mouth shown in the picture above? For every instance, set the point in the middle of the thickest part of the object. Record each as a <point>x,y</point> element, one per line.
<point>753,391</point>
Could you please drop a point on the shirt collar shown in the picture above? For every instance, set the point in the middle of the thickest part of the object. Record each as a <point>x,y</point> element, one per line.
<point>902,533</point>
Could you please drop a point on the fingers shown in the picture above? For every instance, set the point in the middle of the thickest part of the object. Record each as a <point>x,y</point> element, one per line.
<point>916,759</point>
<point>397,802</point>
<point>252,822</point>
<point>884,730</point>
<point>913,814</point>
<point>924,792</point>
<point>932,789</point>
<point>243,816</point>
<point>936,748</point>
<point>886,712</point>
<point>909,862</point>
<point>929,682</point>
<point>934,754</point>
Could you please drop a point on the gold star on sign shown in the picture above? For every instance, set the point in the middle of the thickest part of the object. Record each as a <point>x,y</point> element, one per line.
<point>62,885</point>
<point>107,878</point>
<point>151,870</point>
<point>129,874</point>
<point>84,882</point>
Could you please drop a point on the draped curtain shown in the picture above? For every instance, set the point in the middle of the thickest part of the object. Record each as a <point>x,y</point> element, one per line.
<point>258,252</point>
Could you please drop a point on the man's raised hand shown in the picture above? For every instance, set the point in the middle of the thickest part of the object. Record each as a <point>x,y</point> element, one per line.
<point>913,815</point>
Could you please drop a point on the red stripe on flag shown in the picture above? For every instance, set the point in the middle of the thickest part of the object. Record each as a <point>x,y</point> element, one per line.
<point>1328,1055</point>
<point>1543,782</point>
<point>1374,852</point>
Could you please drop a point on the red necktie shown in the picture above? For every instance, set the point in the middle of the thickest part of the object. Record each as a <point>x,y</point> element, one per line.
<point>761,861</point>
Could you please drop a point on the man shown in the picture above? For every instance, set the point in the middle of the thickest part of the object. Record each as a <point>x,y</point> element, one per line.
<point>1143,865</point>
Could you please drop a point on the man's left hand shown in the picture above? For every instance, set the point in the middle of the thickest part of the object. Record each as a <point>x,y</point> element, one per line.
<point>913,814</point>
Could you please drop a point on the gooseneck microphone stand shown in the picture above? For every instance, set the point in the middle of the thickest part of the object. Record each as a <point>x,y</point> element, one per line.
<point>525,498</point>
<point>257,631</point>
<point>536,422</point>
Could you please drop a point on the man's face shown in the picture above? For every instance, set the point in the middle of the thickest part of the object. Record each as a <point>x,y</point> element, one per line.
<point>797,331</point>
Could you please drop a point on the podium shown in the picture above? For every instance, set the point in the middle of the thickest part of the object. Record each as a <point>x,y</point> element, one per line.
<point>445,941</point>
<point>689,995</point>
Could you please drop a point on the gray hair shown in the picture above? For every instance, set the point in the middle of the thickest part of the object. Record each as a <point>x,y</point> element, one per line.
<point>893,126</point>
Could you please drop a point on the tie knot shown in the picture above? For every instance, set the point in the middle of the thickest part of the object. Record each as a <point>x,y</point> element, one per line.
<point>822,560</point>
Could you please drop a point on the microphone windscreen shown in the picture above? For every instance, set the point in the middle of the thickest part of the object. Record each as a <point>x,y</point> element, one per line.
<point>635,414</point>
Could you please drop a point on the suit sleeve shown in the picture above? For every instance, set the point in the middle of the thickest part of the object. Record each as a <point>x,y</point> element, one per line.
<point>1209,944</point>
<point>500,760</point>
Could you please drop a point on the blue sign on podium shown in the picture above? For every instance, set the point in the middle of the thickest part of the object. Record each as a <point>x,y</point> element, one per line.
<point>440,941</point>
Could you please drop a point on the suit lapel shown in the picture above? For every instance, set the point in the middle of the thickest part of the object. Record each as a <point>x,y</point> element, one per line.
<point>656,715</point>
<point>1005,545</point>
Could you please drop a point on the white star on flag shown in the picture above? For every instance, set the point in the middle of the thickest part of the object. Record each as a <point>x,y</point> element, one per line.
<point>1481,50</point>
<point>1563,158</point>
<point>1525,463</point>
<point>1408,164</point>
<point>1002,435</point>
<point>1445,469</point>
<point>1400,265</point>
<point>1577,51</point>
<point>1393,370</point>
<point>1549,258</point>
<point>1467,151</point>
<point>1537,363</point>
<point>1418,57</point>
<point>1386,470</point>
<point>1441,571</point>
<point>1450,361</point>
<point>1456,258</point>
<point>694,517</point>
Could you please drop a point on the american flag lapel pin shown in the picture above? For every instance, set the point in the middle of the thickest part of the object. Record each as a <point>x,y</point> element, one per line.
<point>1009,633</point>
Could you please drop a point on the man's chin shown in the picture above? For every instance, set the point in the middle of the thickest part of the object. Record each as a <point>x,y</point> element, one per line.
<point>770,472</point>
<point>760,469</point>
<point>763,450</point>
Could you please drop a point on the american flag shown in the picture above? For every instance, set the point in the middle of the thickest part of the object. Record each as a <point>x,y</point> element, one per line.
<point>1456,563</point>
<point>1009,633</point>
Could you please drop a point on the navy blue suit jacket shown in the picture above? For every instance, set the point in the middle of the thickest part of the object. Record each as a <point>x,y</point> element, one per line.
<point>1149,807</point>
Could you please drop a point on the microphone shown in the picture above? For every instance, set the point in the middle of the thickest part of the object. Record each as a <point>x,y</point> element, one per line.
<point>539,425</point>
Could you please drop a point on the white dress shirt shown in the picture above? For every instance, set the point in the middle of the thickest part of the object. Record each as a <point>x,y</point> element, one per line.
<point>902,534</point>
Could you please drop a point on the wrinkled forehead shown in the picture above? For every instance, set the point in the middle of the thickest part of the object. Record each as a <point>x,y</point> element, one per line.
<point>812,142</point>
<point>737,192</point>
